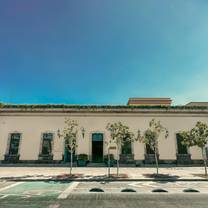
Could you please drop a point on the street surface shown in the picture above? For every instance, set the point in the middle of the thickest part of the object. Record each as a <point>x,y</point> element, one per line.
<point>77,194</point>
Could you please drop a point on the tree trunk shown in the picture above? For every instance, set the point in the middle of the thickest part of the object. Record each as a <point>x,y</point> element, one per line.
<point>156,161</point>
<point>117,161</point>
<point>205,161</point>
<point>117,167</point>
<point>71,162</point>
<point>108,163</point>
<point>71,151</point>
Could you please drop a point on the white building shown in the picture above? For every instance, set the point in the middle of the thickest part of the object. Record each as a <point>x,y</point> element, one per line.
<point>28,133</point>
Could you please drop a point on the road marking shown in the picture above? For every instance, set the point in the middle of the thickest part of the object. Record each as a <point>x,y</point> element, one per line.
<point>11,186</point>
<point>151,184</point>
<point>4,196</point>
<point>54,206</point>
<point>135,184</point>
<point>143,184</point>
<point>26,196</point>
<point>66,192</point>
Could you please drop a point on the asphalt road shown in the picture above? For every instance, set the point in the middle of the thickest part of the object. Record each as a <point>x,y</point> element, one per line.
<point>77,195</point>
<point>138,200</point>
<point>104,200</point>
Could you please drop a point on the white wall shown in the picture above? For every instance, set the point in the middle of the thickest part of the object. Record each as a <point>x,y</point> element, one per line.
<point>32,126</point>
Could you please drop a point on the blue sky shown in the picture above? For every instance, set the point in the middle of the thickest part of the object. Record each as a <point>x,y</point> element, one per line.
<point>103,52</point>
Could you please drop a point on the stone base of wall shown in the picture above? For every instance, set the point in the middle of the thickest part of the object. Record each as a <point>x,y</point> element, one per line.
<point>167,162</point>
<point>183,159</point>
<point>45,158</point>
<point>150,158</point>
<point>127,159</point>
<point>137,163</point>
<point>197,162</point>
<point>31,162</point>
<point>11,158</point>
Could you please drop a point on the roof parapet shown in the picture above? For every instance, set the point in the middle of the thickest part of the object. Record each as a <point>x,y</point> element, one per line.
<point>203,104</point>
<point>149,102</point>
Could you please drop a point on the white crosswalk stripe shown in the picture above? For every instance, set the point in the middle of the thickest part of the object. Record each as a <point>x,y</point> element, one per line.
<point>4,196</point>
<point>66,192</point>
<point>11,186</point>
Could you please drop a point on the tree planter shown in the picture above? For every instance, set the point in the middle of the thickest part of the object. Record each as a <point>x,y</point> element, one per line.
<point>81,163</point>
<point>82,160</point>
<point>183,159</point>
<point>45,158</point>
<point>127,158</point>
<point>150,158</point>
<point>197,136</point>
<point>112,161</point>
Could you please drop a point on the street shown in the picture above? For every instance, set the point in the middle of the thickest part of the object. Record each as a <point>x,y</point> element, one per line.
<point>131,200</point>
<point>78,194</point>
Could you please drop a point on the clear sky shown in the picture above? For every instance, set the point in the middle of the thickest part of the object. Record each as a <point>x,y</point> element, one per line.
<point>103,51</point>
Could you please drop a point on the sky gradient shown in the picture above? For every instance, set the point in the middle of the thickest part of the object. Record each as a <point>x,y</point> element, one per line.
<point>103,52</point>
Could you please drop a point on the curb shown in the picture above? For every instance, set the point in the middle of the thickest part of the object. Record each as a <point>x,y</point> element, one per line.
<point>105,180</point>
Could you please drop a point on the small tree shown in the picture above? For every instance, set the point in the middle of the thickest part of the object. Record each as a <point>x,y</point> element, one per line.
<point>108,144</point>
<point>151,136</point>
<point>69,134</point>
<point>198,136</point>
<point>119,134</point>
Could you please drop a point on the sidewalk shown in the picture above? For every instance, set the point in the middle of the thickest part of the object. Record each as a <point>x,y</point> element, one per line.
<point>100,173</point>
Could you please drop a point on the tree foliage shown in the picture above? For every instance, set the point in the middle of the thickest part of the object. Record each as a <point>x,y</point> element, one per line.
<point>119,135</point>
<point>197,136</point>
<point>70,134</point>
<point>151,135</point>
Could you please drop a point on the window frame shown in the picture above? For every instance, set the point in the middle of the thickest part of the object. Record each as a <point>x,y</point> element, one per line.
<point>52,143</point>
<point>130,145</point>
<point>9,143</point>
<point>152,151</point>
<point>177,152</point>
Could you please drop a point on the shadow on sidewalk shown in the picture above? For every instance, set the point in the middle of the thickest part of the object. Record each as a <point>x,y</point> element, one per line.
<point>172,178</point>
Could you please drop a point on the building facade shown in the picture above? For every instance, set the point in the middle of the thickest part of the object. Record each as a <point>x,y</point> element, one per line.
<point>28,133</point>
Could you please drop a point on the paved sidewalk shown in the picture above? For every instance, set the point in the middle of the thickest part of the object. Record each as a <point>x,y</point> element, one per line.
<point>94,173</point>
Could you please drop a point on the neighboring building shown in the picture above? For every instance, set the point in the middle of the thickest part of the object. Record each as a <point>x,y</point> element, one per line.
<point>28,133</point>
<point>204,104</point>
<point>149,102</point>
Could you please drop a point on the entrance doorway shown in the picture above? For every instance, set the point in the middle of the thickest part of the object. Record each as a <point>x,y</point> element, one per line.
<point>97,147</point>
